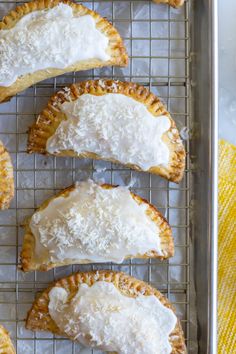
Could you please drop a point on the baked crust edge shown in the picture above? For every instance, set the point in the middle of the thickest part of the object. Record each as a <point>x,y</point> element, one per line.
<point>39,319</point>
<point>116,46</point>
<point>51,117</point>
<point>6,178</point>
<point>29,262</point>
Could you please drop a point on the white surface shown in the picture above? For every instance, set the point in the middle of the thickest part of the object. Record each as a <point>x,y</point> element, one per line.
<point>227,70</point>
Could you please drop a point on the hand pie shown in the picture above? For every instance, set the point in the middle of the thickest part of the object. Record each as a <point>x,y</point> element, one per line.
<point>91,223</point>
<point>6,178</point>
<point>173,3</point>
<point>109,311</point>
<point>110,120</point>
<point>47,38</point>
<point>6,346</point>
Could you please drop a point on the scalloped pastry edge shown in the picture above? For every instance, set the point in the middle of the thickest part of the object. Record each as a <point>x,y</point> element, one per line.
<point>29,262</point>
<point>39,319</point>
<point>116,46</point>
<point>50,118</point>
<point>6,178</point>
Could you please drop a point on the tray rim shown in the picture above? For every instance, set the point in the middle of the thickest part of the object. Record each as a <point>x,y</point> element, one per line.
<point>205,107</point>
<point>214,147</point>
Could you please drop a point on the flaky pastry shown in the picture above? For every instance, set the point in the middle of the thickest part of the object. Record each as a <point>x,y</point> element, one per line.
<point>6,346</point>
<point>6,178</point>
<point>30,260</point>
<point>39,319</point>
<point>115,50</point>
<point>52,118</point>
<point>173,3</point>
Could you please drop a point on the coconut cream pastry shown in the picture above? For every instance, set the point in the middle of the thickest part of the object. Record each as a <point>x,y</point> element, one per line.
<point>173,3</point>
<point>92,223</point>
<point>109,311</point>
<point>6,178</point>
<point>110,120</point>
<point>43,39</point>
<point>6,346</point>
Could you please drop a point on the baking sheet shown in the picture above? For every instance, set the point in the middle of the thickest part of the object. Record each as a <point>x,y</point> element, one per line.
<point>158,42</point>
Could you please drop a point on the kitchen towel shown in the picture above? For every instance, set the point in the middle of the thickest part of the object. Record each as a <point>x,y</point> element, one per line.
<point>227,249</point>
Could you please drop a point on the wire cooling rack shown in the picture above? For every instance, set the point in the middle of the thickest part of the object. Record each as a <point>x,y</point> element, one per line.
<point>158,41</point>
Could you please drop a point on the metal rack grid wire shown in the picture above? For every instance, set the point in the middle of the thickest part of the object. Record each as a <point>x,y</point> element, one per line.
<point>158,41</point>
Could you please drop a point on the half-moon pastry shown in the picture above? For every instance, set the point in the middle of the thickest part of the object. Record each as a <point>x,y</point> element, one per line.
<point>111,120</point>
<point>173,3</point>
<point>92,223</point>
<point>6,178</point>
<point>6,346</point>
<point>47,38</point>
<point>109,311</point>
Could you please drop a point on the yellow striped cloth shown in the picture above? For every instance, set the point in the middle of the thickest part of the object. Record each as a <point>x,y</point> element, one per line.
<point>227,249</point>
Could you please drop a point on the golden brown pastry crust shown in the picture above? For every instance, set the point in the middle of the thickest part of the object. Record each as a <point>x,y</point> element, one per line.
<point>6,178</point>
<point>29,261</point>
<point>38,318</point>
<point>116,47</point>
<point>173,3</point>
<point>6,346</point>
<point>51,117</point>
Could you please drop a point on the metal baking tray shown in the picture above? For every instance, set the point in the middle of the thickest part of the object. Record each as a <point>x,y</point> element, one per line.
<point>204,152</point>
<point>174,53</point>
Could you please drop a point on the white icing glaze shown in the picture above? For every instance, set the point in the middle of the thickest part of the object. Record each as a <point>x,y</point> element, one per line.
<point>54,38</point>
<point>95,224</point>
<point>101,317</point>
<point>112,126</point>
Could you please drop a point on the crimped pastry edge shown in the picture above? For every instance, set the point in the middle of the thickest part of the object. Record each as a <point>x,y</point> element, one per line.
<point>116,46</point>
<point>6,178</point>
<point>6,346</point>
<point>173,3</point>
<point>48,121</point>
<point>29,262</point>
<point>38,317</point>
